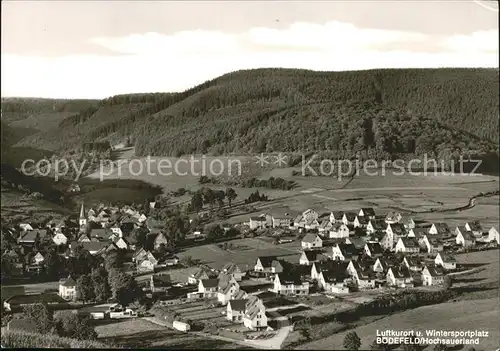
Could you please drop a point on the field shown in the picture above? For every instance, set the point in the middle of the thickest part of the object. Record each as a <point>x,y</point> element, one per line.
<point>243,252</point>
<point>460,316</point>
<point>139,333</point>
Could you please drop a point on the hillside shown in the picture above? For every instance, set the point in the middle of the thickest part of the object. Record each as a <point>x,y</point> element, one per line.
<point>379,112</point>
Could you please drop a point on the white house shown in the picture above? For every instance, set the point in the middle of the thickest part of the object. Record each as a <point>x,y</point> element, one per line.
<point>325,227</point>
<point>308,219</point>
<point>208,287</point>
<point>413,263</point>
<point>233,270</point>
<point>332,281</point>
<point>349,218</point>
<point>407,245</point>
<point>67,288</point>
<point>474,227</point>
<point>393,217</point>
<point>117,230</point>
<point>432,245</point>
<point>448,262</point>
<point>362,276</point>
<point>255,317</point>
<point>308,257</point>
<point>25,227</point>
<point>493,235</point>
<point>407,222</point>
<point>432,276</point>
<point>121,243</point>
<point>38,258</point>
<point>311,241</point>
<point>439,228</point>
<point>257,222</point>
<point>339,230</point>
<point>236,310</point>
<point>344,252</point>
<point>381,265</point>
<point>60,239</point>
<point>283,221</point>
<point>268,264</point>
<point>464,238</point>
<point>400,277</point>
<point>373,249</point>
<point>286,284</point>
<point>227,289</point>
<point>375,225</point>
<point>336,216</point>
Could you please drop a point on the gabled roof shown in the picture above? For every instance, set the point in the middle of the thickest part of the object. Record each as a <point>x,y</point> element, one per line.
<point>409,242</point>
<point>68,282</point>
<point>435,271</point>
<point>35,298</point>
<point>350,216</point>
<point>397,228</point>
<point>338,214</point>
<point>368,211</point>
<point>375,248</point>
<point>267,261</point>
<point>358,242</point>
<point>419,231</point>
<point>210,283</point>
<point>334,275</point>
<point>93,246</point>
<point>31,235</point>
<point>413,261</point>
<point>378,224</point>
<point>287,279</point>
<point>238,305</point>
<point>348,249</point>
<point>258,219</point>
<point>311,255</point>
<point>442,228</point>
<point>309,238</point>
<point>400,272</point>
<point>362,220</point>
<point>231,268</point>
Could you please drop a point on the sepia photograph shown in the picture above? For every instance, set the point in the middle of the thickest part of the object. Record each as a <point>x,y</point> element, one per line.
<point>308,175</point>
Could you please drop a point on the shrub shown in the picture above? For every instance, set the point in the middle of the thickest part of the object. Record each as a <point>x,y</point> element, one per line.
<point>21,339</point>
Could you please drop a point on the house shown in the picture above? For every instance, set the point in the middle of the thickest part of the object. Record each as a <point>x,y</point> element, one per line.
<point>282,221</point>
<point>464,237</point>
<point>362,276</point>
<point>234,270</point>
<point>25,227</point>
<point>407,245</point>
<point>160,239</point>
<point>257,222</point>
<point>94,247</point>
<point>396,230</point>
<point>146,263</point>
<point>168,261</point>
<point>399,276</point>
<point>439,228</point>
<point>160,283</point>
<point>493,236</point>
<point>358,242</point>
<point>339,230</point>
<point>393,217</point>
<point>349,218</point>
<point>84,238</point>
<point>332,281</point>
<point>308,220</point>
<point>236,310</point>
<point>432,276</point>
<point>318,267</point>
<point>199,274</point>
<point>67,288</point>
<point>325,227</point>
<point>117,230</point>
<point>373,249</point>
<point>381,265</point>
<point>344,252</point>
<point>360,222</point>
<point>413,263</point>
<point>418,232</point>
<point>139,254</point>
<point>255,317</point>
<point>60,239</point>
<point>208,287</point>
<point>375,225</point>
<point>448,262</point>
<point>367,212</point>
<point>288,284</point>
<point>474,227</point>
<point>407,222</point>
<point>336,216</point>
<point>307,257</point>
<point>120,243</point>
<point>432,245</point>
<point>228,288</point>
<point>102,234</point>
<point>31,236</point>
<point>311,241</point>
<point>268,264</point>
<point>38,258</point>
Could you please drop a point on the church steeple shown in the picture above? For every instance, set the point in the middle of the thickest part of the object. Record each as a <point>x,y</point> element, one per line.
<point>83,217</point>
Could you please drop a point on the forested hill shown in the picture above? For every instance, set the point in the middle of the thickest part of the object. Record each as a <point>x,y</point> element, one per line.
<point>382,112</point>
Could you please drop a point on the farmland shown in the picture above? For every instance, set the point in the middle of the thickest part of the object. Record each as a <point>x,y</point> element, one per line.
<point>144,334</point>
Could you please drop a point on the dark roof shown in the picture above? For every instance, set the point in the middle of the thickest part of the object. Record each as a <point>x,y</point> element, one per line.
<point>331,265</point>
<point>351,216</point>
<point>238,305</point>
<point>363,220</point>
<point>210,283</point>
<point>67,282</point>
<point>397,228</point>
<point>35,298</point>
<point>258,219</point>
<point>287,278</point>
<point>348,249</point>
<point>93,245</point>
<point>358,242</point>
<point>368,211</point>
<point>400,272</point>
<point>410,242</point>
<point>311,255</point>
<point>435,271</point>
<point>375,248</point>
<point>378,224</point>
<point>161,279</point>
<point>334,276</point>
<point>413,261</point>
<point>338,214</point>
<point>475,226</point>
<point>442,228</point>
<point>267,261</point>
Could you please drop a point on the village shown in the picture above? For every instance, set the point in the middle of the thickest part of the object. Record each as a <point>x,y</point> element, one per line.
<point>336,255</point>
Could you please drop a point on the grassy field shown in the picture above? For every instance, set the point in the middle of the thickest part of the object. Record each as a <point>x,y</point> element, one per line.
<point>459,316</point>
<point>139,333</point>
<point>243,252</point>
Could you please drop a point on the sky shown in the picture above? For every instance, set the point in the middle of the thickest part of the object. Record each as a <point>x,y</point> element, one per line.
<point>96,49</point>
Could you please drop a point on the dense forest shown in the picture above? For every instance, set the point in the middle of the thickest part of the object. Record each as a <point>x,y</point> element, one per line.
<point>380,113</point>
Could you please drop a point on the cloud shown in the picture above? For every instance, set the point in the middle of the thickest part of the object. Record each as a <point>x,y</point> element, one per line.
<point>151,62</point>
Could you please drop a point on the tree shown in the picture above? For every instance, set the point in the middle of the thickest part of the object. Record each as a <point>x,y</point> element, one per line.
<point>448,282</point>
<point>114,259</point>
<point>123,286</point>
<point>197,202</point>
<point>231,195</point>
<point>53,265</point>
<point>208,196</point>
<point>214,232</point>
<point>85,288</point>
<point>219,197</point>
<point>352,341</point>
<point>141,236</point>
<point>100,283</point>
<point>71,325</point>
<point>42,315</point>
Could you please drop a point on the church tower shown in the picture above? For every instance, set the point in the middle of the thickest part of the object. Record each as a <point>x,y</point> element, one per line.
<point>83,217</point>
